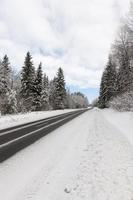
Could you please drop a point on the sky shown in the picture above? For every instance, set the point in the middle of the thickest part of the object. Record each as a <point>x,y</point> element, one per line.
<point>73,34</point>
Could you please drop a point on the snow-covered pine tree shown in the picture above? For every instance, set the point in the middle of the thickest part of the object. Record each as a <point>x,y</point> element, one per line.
<point>38,87</point>
<point>123,53</point>
<point>7,72</point>
<point>2,88</point>
<point>60,91</point>
<point>108,87</point>
<point>11,104</point>
<point>28,83</point>
<point>69,100</point>
<point>52,84</point>
<point>125,72</point>
<point>125,78</point>
<point>17,89</point>
<point>5,84</point>
<point>45,93</point>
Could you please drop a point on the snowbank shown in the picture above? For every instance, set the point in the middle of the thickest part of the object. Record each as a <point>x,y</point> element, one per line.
<point>122,120</point>
<point>13,120</point>
<point>122,102</point>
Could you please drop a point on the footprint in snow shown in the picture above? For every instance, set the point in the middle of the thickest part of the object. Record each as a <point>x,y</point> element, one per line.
<point>67,190</point>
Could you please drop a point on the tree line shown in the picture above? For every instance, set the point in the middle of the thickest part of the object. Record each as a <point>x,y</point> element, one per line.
<point>31,89</point>
<point>116,88</point>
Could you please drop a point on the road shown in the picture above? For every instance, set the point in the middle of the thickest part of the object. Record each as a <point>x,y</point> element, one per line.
<point>16,138</point>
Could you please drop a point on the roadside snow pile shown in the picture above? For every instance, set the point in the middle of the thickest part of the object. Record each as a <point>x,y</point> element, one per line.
<point>122,120</point>
<point>122,102</point>
<point>14,120</point>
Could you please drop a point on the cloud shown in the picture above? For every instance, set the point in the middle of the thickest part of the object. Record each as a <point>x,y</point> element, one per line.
<point>73,34</point>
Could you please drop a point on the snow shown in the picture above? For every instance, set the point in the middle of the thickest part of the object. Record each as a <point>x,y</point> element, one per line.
<point>122,120</point>
<point>87,158</point>
<point>17,119</point>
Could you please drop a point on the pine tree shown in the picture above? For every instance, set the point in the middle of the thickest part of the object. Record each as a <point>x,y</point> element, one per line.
<point>60,91</point>
<point>103,90</point>
<point>28,83</point>
<point>11,103</point>
<point>45,93</point>
<point>38,87</point>
<point>52,93</point>
<point>108,87</point>
<point>125,75</point>
<point>2,87</point>
<point>5,84</point>
<point>5,71</point>
<point>123,53</point>
<point>17,89</point>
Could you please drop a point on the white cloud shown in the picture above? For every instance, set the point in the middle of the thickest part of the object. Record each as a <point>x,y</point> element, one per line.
<point>73,34</point>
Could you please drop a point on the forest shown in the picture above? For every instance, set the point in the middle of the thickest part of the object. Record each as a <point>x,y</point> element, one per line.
<point>31,90</point>
<point>116,88</point>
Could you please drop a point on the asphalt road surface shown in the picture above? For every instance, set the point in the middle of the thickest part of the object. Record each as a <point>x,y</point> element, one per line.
<point>16,138</point>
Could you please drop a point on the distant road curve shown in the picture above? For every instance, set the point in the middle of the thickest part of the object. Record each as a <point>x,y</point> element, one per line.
<point>16,138</point>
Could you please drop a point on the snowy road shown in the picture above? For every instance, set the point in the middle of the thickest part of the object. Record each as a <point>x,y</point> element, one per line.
<point>16,138</point>
<point>86,159</point>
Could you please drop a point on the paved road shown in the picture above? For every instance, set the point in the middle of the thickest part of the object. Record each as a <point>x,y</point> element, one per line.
<point>16,138</point>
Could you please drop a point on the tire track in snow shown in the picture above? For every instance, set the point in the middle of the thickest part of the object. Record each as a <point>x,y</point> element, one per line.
<point>107,166</point>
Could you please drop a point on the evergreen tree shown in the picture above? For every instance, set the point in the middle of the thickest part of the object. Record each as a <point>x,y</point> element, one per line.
<point>38,87</point>
<point>125,75</point>
<point>108,87</point>
<point>123,53</point>
<point>5,84</point>
<point>28,83</point>
<point>2,87</point>
<point>5,75</point>
<point>17,89</point>
<point>52,93</point>
<point>45,93</point>
<point>60,91</point>
<point>11,103</point>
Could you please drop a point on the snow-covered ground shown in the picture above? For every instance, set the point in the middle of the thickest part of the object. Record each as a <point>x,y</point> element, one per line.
<point>122,120</point>
<point>88,158</point>
<point>13,120</point>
